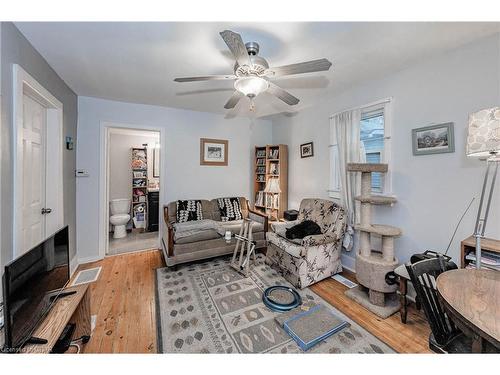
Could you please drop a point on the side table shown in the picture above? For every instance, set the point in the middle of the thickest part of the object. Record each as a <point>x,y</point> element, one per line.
<point>404,278</point>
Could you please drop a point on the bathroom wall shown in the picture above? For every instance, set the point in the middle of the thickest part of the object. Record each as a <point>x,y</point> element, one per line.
<point>120,169</point>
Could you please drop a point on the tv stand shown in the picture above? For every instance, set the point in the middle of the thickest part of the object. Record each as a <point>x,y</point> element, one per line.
<point>73,308</point>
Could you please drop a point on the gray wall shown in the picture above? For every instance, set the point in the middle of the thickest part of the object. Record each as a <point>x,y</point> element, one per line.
<point>432,190</point>
<point>120,168</point>
<point>15,49</point>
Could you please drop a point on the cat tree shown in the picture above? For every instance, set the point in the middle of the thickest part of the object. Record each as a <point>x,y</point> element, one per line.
<point>372,266</point>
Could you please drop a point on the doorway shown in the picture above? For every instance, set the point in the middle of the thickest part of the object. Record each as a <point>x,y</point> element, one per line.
<point>133,190</point>
<point>38,174</point>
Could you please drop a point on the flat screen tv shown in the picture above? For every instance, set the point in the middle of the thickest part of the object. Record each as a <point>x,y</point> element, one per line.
<point>31,285</point>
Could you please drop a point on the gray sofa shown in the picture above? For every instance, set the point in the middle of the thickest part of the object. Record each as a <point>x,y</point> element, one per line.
<point>195,240</point>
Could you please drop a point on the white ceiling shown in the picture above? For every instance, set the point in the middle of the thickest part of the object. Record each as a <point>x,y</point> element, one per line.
<point>137,62</point>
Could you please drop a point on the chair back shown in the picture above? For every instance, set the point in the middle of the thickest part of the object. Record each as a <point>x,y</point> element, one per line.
<point>327,214</point>
<point>423,276</point>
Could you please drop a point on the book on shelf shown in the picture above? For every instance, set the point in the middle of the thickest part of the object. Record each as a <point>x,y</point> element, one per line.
<point>259,198</point>
<point>489,259</point>
<point>274,154</point>
<point>261,153</point>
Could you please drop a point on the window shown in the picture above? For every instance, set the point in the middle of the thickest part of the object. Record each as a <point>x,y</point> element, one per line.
<point>373,138</point>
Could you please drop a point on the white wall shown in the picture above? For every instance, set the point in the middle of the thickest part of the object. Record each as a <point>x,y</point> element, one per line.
<point>120,167</point>
<point>432,190</point>
<point>185,178</point>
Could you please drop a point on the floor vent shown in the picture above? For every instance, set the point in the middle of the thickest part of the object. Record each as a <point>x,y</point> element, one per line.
<point>87,276</point>
<point>341,279</point>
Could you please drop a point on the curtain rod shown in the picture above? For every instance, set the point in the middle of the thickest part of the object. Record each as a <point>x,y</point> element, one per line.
<point>381,101</point>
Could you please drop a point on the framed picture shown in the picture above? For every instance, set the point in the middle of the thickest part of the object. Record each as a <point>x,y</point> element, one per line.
<point>213,151</point>
<point>435,139</point>
<point>139,174</point>
<point>306,150</point>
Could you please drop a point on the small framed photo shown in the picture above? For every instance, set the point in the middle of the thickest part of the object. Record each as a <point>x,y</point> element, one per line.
<point>213,152</point>
<point>139,174</point>
<point>306,150</point>
<point>434,139</point>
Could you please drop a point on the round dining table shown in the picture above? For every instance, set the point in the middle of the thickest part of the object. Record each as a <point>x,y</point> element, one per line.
<point>471,297</point>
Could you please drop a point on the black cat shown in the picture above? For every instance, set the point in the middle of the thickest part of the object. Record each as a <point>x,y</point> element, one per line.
<point>303,229</point>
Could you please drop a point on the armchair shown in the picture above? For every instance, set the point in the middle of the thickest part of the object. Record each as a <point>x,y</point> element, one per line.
<point>306,261</point>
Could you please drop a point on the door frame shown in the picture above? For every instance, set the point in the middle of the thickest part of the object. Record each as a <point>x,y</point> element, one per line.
<point>105,131</point>
<point>24,83</point>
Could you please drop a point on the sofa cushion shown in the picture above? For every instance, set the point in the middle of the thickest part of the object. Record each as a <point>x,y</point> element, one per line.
<point>230,209</point>
<point>188,210</point>
<point>295,250</point>
<point>235,226</point>
<point>204,235</point>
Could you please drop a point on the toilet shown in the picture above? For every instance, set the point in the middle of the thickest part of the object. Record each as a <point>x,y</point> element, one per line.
<point>120,216</point>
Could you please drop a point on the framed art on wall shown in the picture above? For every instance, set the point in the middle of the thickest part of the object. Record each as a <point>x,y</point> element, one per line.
<point>213,152</point>
<point>434,139</point>
<point>306,150</point>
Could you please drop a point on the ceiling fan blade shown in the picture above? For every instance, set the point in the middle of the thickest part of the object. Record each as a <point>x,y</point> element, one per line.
<point>204,78</point>
<point>233,100</point>
<point>299,68</point>
<point>282,94</point>
<point>236,46</point>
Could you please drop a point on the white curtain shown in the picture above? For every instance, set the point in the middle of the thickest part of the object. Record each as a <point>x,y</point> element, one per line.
<point>344,132</point>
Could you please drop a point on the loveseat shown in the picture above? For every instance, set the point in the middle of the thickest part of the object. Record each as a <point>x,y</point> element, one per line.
<point>306,261</point>
<point>202,239</point>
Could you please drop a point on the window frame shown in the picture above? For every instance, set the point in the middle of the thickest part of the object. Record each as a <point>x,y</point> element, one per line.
<point>384,106</point>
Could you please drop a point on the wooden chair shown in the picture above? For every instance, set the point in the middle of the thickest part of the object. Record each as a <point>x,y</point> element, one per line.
<point>445,337</point>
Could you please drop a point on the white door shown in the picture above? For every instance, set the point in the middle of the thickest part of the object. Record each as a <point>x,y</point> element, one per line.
<point>33,173</point>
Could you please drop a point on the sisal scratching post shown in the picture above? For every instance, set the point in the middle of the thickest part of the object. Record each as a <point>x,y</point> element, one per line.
<point>372,266</point>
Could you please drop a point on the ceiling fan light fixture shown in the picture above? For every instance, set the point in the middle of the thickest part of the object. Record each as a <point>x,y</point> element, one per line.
<point>251,86</point>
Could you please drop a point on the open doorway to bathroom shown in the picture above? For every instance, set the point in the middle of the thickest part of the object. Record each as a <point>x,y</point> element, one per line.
<point>133,182</point>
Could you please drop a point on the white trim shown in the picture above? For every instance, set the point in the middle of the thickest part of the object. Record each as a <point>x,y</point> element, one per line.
<point>73,265</point>
<point>368,105</point>
<point>105,129</point>
<point>91,259</point>
<point>348,262</point>
<point>24,83</point>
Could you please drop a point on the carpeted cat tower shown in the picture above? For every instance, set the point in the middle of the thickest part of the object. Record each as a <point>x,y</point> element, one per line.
<point>372,266</point>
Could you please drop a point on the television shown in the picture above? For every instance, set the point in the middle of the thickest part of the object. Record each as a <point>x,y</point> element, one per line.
<point>31,285</point>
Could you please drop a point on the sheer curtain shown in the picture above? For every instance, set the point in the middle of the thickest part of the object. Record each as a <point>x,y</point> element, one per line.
<point>344,132</point>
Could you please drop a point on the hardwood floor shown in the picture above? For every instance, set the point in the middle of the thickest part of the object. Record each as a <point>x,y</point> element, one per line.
<point>124,301</point>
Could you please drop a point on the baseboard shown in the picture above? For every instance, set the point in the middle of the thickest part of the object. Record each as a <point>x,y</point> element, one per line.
<point>73,265</point>
<point>349,263</point>
<point>89,259</point>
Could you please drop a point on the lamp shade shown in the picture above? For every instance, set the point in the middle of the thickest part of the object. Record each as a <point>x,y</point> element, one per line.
<point>483,137</point>
<point>273,186</point>
<point>251,86</point>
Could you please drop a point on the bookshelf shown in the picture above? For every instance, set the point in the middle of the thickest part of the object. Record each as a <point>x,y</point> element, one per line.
<point>490,248</point>
<point>139,187</point>
<point>271,161</point>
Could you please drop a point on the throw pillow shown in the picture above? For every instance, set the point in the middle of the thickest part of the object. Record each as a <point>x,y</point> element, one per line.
<point>230,209</point>
<point>303,229</point>
<point>189,210</point>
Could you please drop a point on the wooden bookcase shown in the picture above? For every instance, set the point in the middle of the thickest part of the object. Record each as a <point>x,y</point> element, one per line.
<point>488,245</point>
<point>270,161</point>
<point>140,184</point>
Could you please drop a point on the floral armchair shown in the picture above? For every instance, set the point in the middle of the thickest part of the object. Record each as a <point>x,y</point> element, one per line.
<point>306,261</point>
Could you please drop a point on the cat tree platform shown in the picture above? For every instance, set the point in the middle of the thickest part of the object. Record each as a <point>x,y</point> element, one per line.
<point>371,265</point>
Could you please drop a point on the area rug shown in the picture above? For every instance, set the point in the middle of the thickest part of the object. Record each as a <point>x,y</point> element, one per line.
<point>210,308</point>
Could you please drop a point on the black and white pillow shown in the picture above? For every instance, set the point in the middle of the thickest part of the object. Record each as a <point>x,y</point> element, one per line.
<point>189,210</point>
<point>230,209</point>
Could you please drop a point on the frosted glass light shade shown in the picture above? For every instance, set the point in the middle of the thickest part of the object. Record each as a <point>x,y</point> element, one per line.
<point>251,86</point>
<point>483,137</point>
<point>273,186</point>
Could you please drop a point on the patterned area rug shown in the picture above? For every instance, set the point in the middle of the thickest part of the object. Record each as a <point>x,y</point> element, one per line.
<point>210,308</point>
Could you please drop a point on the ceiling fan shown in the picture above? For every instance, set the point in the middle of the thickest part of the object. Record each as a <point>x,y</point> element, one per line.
<point>252,72</point>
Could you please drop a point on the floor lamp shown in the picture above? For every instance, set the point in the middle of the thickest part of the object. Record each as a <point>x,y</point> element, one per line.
<point>483,141</point>
<point>273,188</point>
